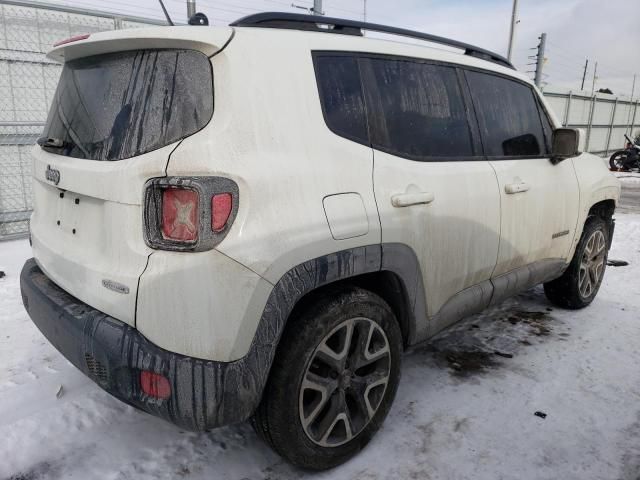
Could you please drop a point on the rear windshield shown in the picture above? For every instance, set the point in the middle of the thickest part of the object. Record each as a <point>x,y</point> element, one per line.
<point>119,105</point>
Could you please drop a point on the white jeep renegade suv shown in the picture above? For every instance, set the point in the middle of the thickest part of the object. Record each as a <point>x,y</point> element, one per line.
<point>254,221</point>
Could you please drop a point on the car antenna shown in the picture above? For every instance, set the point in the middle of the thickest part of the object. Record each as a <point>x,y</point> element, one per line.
<point>166,14</point>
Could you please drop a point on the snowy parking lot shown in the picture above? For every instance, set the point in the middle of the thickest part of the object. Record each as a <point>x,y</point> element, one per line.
<point>630,198</point>
<point>466,407</point>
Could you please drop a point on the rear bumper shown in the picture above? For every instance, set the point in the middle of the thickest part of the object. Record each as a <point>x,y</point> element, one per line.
<point>204,394</point>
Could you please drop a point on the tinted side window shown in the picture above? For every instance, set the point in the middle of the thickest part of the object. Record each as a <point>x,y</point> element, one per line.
<point>341,96</point>
<point>508,115</point>
<point>417,110</point>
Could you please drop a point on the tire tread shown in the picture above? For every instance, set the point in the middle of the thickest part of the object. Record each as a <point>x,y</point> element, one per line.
<point>272,419</point>
<point>563,291</point>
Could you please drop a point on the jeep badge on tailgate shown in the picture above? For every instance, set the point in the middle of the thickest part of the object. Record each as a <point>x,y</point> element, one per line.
<point>52,175</point>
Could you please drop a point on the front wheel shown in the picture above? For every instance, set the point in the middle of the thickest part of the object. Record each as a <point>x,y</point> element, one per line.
<point>579,284</point>
<point>617,161</point>
<point>334,378</point>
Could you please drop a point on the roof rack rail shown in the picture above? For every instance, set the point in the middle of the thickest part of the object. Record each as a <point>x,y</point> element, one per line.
<point>296,21</point>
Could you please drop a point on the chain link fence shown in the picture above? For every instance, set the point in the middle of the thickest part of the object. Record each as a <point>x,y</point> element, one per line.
<point>28,81</point>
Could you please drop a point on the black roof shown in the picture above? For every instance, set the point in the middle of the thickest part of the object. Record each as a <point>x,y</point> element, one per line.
<point>296,21</point>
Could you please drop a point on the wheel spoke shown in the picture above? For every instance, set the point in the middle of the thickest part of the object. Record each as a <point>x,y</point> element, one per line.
<point>599,246</point>
<point>341,418</point>
<point>325,386</point>
<point>584,281</point>
<point>329,355</point>
<point>362,387</point>
<point>592,274</point>
<point>588,248</point>
<point>599,267</point>
<point>365,352</point>
<point>367,394</point>
<point>596,268</point>
<point>336,414</point>
<point>582,276</point>
<point>357,394</point>
<point>370,379</point>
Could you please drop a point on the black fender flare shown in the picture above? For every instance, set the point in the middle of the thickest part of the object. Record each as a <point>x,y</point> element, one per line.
<point>252,371</point>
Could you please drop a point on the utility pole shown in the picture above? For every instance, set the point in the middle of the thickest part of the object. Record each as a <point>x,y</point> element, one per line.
<point>191,8</point>
<point>364,16</point>
<point>540,59</point>
<point>593,84</point>
<point>317,7</point>
<point>512,30</point>
<point>633,90</point>
<point>584,74</point>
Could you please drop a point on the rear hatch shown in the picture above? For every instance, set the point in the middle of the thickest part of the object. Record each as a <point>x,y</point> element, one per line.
<point>124,101</point>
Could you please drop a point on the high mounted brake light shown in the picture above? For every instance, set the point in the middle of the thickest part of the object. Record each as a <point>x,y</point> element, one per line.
<point>188,213</point>
<point>75,38</point>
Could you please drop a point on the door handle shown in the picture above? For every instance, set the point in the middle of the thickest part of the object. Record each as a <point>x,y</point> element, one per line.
<point>408,199</point>
<point>511,188</point>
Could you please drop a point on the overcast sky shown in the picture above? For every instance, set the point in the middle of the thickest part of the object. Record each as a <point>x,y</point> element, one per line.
<point>607,32</point>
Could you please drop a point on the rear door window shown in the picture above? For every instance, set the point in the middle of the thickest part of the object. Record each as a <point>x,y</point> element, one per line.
<point>416,109</point>
<point>120,105</point>
<point>508,116</point>
<point>340,88</point>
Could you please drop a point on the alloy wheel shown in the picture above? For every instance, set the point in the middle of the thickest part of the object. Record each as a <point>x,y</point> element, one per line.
<point>592,264</point>
<point>344,382</point>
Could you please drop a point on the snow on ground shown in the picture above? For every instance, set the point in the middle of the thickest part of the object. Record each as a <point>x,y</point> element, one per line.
<point>462,411</point>
<point>628,177</point>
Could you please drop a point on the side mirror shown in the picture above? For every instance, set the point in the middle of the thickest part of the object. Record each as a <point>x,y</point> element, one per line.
<point>565,144</point>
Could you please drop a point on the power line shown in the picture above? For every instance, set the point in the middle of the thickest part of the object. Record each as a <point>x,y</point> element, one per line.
<point>569,60</point>
<point>566,58</point>
<point>606,67</point>
<point>310,3</point>
<point>217,6</point>
<point>124,9</point>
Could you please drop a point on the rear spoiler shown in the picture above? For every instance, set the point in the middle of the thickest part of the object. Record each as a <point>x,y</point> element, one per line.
<point>208,40</point>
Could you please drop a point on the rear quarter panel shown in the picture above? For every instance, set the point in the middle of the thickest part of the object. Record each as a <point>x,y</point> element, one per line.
<point>268,134</point>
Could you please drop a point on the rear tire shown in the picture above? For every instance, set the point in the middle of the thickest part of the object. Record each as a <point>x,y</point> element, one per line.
<point>616,161</point>
<point>333,380</point>
<point>579,284</point>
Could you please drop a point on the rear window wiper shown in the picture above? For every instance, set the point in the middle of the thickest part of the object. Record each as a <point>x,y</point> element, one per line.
<point>51,142</point>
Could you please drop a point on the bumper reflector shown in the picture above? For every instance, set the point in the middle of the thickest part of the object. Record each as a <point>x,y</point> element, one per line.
<point>155,385</point>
